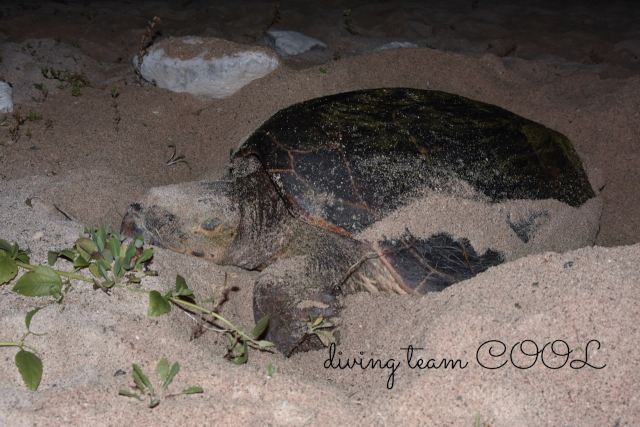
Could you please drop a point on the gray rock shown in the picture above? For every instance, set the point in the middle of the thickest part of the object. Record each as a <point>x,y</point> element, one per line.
<point>396,45</point>
<point>210,67</point>
<point>6,98</point>
<point>291,43</point>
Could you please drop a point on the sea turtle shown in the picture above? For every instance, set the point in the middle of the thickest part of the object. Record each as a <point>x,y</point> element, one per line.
<point>305,185</point>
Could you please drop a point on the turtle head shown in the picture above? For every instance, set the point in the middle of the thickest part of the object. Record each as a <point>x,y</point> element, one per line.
<point>196,218</point>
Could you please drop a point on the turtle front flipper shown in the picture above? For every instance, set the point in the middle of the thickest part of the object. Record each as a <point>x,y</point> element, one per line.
<point>300,283</point>
<point>289,296</point>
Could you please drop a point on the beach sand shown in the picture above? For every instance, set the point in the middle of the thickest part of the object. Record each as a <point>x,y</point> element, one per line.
<point>573,68</point>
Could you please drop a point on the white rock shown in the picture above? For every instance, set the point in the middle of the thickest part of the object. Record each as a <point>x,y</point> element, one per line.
<point>210,67</point>
<point>396,45</point>
<point>6,98</point>
<point>291,43</point>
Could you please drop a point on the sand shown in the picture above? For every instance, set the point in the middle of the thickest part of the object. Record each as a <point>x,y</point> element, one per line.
<point>573,68</point>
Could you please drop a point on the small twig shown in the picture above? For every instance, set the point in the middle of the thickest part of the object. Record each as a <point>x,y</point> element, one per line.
<point>58,208</point>
<point>352,269</point>
<point>142,52</point>
<point>302,339</point>
<point>175,159</point>
<point>201,323</point>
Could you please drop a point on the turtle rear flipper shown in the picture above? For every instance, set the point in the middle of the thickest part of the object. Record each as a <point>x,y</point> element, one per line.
<point>433,264</point>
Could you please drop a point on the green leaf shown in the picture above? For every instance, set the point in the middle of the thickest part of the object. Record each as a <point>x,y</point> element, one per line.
<point>14,250</point>
<point>128,254</point>
<point>325,337</point>
<point>138,381</point>
<point>8,268</point>
<point>192,390</point>
<point>181,283</point>
<point>93,268</point>
<point>154,402</point>
<point>27,319</point>
<point>260,326</point>
<point>162,370</point>
<point>230,338</point>
<point>244,354</point>
<point>143,378</point>
<point>103,267</point>
<point>318,320</point>
<point>172,373</point>
<point>117,268</point>
<point>22,256</point>
<point>30,367</point>
<point>264,343</point>
<point>69,253</point>
<point>5,246</point>
<point>270,370</point>
<point>145,256</point>
<point>101,238</point>
<point>138,241</point>
<point>86,247</point>
<point>52,256</point>
<point>114,247</point>
<point>80,262</point>
<point>181,287</point>
<point>158,305</point>
<point>129,394</point>
<point>42,281</point>
<point>106,255</point>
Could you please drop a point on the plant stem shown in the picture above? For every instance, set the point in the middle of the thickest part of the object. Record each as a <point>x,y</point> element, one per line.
<point>214,314</point>
<point>18,344</point>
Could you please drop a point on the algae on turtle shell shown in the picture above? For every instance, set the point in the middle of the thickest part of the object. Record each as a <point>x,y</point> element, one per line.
<point>317,173</point>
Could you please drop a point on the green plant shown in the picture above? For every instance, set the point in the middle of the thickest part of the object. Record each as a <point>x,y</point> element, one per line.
<point>28,133</point>
<point>478,423</point>
<point>113,264</point>
<point>29,363</point>
<point>43,89</point>
<point>270,370</point>
<point>33,116</point>
<point>14,130</point>
<point>164,374</point>
<point>320,328</point>
<point>29,48</point>
<point>75,80</point>
<point>347,22</point>
<point>114,91</point>
<point>323,70</point>
<point>180,158</point>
